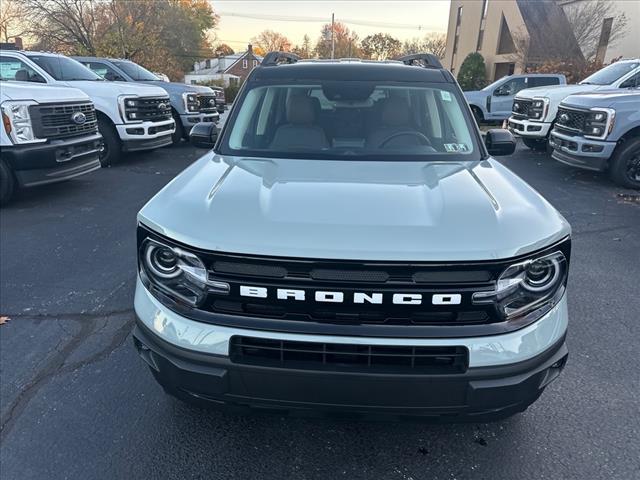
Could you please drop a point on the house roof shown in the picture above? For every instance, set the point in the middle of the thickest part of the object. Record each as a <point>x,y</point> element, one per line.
<point>222,64</point>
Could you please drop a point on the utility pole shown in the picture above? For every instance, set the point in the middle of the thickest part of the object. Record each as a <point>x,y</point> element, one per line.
<point>333,39</point>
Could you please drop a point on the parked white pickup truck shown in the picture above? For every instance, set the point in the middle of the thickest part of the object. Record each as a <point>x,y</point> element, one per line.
<point>48,134</point>
<point>130,117</point>
<point>535,109</point>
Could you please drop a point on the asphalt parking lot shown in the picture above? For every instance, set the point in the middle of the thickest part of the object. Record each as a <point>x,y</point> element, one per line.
<point>77,403</point>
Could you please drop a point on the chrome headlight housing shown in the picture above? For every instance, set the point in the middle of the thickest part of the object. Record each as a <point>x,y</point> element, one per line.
<point>539,109</point>
<point>176,273</point>
<point>191,104</point>
<point>528,289</point>
<point>599,123</point>
<point>16,120</point>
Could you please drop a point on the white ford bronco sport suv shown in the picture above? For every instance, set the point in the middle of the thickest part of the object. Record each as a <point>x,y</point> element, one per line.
<point>535,110</point>
<point>350,244</point>
<point>130,117</point>
<point>48,134</point>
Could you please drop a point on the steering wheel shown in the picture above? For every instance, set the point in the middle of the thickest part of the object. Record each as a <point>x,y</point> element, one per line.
<point>423,139</point>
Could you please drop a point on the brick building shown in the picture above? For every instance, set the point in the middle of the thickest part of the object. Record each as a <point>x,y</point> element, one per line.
<point>230,69</point>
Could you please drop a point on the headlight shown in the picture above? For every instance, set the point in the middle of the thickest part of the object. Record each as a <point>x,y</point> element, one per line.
<point>599,123</point>
<point>528,289</point>
<point>191,104</point>
<point>16,119</point>
<point>538,109</point>
<point>128,108</point>
<point>179,274</point>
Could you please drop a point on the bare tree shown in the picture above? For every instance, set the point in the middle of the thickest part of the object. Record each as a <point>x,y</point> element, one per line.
<point>588,19</point>
<point>380,46</point>
<point>432,43</point>
<point>270,41</point>
<point>11,20</point>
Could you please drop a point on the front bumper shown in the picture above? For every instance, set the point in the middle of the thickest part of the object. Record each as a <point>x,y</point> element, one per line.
<point>581,152</point>
<point>506,373</point>
<point>528,129</point>
<point>191,119</point>
<point>146,135</point>
<point>54,161</point>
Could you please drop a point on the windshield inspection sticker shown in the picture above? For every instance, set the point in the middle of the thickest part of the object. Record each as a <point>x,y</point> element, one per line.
<point>456,147</point>
<point>446,96</point>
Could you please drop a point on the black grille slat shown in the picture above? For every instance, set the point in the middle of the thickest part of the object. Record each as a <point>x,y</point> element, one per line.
<point>569,119</point>
<point>204,102</point>
<point>521,108</point>
<point>53,121</point>
<point>149,109</point>
<point>348,357</point>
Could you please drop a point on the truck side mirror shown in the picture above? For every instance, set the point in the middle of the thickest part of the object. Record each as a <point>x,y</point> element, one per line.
<point>204,135</point>
<point>500,142</point>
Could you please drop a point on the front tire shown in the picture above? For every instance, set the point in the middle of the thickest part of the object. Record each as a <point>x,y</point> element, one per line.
<point>625,164</point>
<point>7,183</point>
<point>111,149</point>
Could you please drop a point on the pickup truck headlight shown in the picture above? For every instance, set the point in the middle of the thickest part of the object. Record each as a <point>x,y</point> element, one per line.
<point>17,122</point>
<point>528,289</point>
<point>191,104</point>
<point>176,273</point>
<point>128,106</point>
<point>599,123</point>
<point>539,108</point>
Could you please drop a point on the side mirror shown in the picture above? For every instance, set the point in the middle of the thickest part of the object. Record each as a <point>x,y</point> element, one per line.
<point>204,135</point>
<point>500,142</point>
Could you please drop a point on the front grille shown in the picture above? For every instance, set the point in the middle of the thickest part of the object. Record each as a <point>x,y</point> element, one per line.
<point>149,109</point>
<point>55,121</point>
<point>206,102</point>
<point>521,108</point>
<point>348,357</point>
<point>570,119</point>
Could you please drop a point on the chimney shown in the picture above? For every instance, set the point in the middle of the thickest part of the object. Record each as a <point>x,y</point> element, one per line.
<point>249,49</point>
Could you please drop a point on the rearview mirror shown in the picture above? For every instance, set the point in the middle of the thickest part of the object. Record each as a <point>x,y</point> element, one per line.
<point>204,135</point>
<point>500,142</point>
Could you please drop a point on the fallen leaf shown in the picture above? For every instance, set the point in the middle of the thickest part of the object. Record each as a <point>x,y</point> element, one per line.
<point>4,319</point>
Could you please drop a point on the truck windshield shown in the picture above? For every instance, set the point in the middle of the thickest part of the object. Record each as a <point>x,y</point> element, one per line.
<point>135,71</point>
<point>610,74</point>
<point>63,68</point>
<point>351,120</point>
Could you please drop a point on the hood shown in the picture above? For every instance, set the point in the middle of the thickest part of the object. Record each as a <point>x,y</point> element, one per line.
<point>40,93</point>
<point>176,87</point>
<point>555,91</point>
<point>113,89</point>
<point>603,98</point>
<point>393,211</point>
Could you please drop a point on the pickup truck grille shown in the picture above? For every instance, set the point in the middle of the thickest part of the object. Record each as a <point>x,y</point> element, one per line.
<point>65,120</point>
<point>207,102</point>
<point>348,357</point>
<point>149,109</point>
<point>570,119</point>
<point>521,108</point>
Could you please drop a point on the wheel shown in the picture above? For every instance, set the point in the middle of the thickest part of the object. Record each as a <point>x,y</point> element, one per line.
<point>624,168</point>
<point>477,114</point>
<point>111,148</point>
<point>539,145</point>
<point>7,183</point>
<point>179,133</point>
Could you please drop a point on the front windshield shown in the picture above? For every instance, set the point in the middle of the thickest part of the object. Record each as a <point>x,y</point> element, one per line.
<point>135,71</point>
<point>352,119</point>
<point>610,74</point>
<point>64,68</point>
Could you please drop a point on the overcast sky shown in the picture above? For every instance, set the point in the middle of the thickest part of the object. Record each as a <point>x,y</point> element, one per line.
<point>402,19</point>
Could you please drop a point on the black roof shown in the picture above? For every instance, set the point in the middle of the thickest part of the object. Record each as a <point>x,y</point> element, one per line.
<point>342,70</point>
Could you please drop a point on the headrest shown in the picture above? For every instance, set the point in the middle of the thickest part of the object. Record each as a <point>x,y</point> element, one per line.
<point>395,112</point>
<point>22,75</point>
<point>300,110</point>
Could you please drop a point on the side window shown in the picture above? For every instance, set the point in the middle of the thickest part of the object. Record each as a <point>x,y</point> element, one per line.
<point>245,63</point>
<point>14,69</point>
<point>543,81</point>
<point>104,70</point>
<point>632,82</point>
<point>511,87</point>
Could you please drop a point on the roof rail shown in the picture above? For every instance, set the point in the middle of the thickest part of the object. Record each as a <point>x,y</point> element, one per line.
<point>276,58</point>
<point>427,60</point>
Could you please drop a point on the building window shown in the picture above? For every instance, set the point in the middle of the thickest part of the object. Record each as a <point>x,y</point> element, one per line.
<point>207,64</point>
<point>455,44</point>
<point>255,63</point>
<point>480,39</point>
<point>245,63</point>
<point>505,40</point>
<point>485,6</point>
<point>459,20</point>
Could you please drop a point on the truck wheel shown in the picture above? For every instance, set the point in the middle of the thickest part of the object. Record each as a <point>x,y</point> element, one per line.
<point>111,149</point>
<point>7,183</point>
<point>179,133</point>
<point>538,145</point>
<point>625,164</point>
